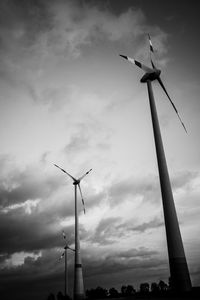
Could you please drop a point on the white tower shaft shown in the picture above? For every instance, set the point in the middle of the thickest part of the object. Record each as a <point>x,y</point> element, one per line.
<point>180,277</point>
<point>79,293</point>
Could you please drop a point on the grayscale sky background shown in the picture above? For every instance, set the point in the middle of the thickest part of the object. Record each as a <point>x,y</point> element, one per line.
<point>66,97</point>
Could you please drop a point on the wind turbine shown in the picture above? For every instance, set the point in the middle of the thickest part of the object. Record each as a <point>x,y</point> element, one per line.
<point>180,277</point>
<point>64,254</point>
<point>79,293</point>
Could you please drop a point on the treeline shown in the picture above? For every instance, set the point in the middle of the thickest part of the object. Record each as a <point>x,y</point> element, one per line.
<point>59,296</point>
<point>125,291</point>
<point>145,290</point>
<point>128,290</point>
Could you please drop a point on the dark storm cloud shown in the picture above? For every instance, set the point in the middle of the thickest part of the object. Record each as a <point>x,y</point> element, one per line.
<point>35,277</point>
<point>17,186</point>
<point>32,205</point>
<point>111,229</point>
<point>28,225</point>
<point>106,232</point>
<point>29,215</point>
<point>139,253</point>
<point>46,273</point>
<point>117,261</point>
<point>21,232</point>
<point>153,224</point>
<point>128,227</point>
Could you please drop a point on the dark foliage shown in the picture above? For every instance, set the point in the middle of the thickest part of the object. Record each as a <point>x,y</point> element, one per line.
<point>51,297</point>
<point>127,291</point>
<point>97,293</point>
<point>60,296</point>
<point>154,288</point>
<point>144,288</point>
<point>113,293</point>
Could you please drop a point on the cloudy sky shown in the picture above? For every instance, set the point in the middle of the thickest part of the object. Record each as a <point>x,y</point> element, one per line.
<point>66,97</point>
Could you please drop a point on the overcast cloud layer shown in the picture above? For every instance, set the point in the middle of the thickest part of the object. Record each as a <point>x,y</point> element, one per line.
<point>68,98</point>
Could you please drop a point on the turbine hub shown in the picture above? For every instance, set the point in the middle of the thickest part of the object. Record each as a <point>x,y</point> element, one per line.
<point>150,76</point>
<point>76,182</point>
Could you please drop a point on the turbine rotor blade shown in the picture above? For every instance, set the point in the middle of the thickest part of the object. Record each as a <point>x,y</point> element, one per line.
<point>150,43</point>
<point>65,238</point>
<point>84,175</point>
<point>138,64</point>
<point>62,255</point>
<point>67,247</point>
<point>81,197</point>
<point>152,64</point>
<point>162,85</point>
<point>64,235</point>
<point>71,249</point>
<point>151,51</point>
<point>74,179</point>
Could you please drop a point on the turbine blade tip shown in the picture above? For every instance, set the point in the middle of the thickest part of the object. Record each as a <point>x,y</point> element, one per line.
<point>124,56</point>
<point>185,128</point>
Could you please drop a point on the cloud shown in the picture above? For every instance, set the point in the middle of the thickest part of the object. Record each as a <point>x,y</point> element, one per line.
<point>147,187</point>
<point>31,208</point>
<point>122,261</point>
<point>77,144</point>
<point>77,26</point>
<point>105,232</point>
<point>40,35</point>
<point>32,202</point>
<point>43,274</point>
<point>152,224</point>
<point>63,26</point>
<point>184,179</point>
<point>110,230</point>
<point>17,186</point>
<point>36,277</point>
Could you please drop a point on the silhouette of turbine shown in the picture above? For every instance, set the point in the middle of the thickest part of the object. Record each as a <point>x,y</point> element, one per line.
<point>64,254</point>
<point>79,293</point>
<point>180,277</point>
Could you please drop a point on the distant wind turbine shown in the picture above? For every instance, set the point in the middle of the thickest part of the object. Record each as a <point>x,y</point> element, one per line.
<point>79,293</point>
<point>180,277</point>
<point>64,254</point>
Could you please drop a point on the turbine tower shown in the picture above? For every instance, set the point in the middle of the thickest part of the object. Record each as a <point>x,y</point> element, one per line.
<point>64,254</point>
<point>79,293</point>
<point>180,278</point>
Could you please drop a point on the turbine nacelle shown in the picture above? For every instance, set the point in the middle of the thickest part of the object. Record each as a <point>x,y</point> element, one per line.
<point>67,247</point>
<point>150,76</point>
<point>76,182</point>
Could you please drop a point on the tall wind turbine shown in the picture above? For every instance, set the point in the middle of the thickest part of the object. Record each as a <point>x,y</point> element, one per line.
<point>64,254</point>
<point>79,293</point>
<point>180,277</point>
